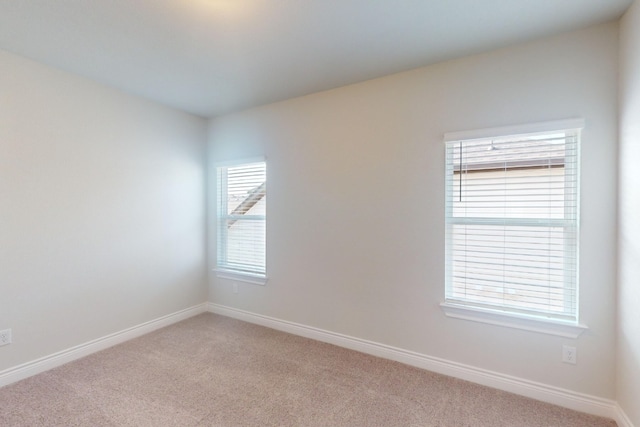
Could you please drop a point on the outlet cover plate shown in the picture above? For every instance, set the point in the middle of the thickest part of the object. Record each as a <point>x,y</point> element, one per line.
<point>569,354</point>
<point>5,337</point>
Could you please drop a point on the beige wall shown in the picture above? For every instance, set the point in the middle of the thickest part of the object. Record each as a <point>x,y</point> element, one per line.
<point>356,203</point>
<point>628,391</point>
<point>101,210</point>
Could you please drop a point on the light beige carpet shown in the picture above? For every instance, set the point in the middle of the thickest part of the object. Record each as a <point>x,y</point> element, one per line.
<point>215,371</point>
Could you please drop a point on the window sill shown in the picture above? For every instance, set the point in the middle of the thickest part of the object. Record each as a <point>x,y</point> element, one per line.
<point>527,323</point>
<point>241,277</point>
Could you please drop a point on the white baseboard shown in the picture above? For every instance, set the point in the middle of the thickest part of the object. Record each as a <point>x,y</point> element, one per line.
<point>37,366</point>
<point>621,418</point>
<point>546,393</point>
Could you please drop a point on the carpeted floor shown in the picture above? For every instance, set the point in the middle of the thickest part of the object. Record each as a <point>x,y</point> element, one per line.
<point>215,371</point>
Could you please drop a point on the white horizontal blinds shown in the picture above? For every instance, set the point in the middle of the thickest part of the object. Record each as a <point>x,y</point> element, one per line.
<point>242,199</point>
<point>511,207</point>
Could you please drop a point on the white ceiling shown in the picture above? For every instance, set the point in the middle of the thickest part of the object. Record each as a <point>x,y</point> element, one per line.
<point>211,57</point>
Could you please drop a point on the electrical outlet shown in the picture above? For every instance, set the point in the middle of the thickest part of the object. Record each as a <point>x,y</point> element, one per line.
<point>569,354</point>
<point>5,337</point>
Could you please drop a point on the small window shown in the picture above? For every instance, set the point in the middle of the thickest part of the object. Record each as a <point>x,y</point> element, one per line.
<point>242,201</point>
<point>512,223</point>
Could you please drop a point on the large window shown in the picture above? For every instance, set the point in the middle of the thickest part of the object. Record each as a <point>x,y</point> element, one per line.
<point>512,222</point>
<point>242,199</point>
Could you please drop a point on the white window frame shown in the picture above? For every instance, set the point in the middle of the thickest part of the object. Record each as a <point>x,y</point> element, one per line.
<point>461,309</point>
<point>223,269</point>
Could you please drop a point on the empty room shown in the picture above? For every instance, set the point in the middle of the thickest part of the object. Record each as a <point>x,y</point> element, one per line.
<point>320,213</point>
